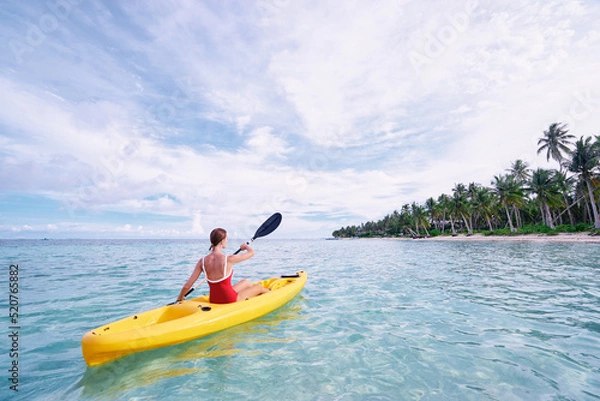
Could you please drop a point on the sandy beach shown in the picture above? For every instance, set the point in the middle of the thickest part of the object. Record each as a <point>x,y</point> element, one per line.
<point>562,237</point>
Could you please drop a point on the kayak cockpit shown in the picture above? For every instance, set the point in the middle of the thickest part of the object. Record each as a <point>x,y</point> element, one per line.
<point>179,310</point>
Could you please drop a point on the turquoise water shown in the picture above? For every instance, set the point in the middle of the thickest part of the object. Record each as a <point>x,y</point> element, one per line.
<point>377,320</point>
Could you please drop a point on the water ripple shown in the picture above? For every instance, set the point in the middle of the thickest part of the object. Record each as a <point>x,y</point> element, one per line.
<point>377,320</point>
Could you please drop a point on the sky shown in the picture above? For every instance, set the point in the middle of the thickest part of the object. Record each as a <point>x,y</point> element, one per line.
<point>166,119</point>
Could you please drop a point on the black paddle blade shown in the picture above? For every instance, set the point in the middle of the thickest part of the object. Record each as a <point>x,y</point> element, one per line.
<point>268,226</point>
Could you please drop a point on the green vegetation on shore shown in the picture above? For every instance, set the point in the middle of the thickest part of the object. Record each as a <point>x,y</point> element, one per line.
<point>522,201</point>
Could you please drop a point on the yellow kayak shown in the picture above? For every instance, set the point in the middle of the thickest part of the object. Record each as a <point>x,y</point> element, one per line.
<point>184,321</point>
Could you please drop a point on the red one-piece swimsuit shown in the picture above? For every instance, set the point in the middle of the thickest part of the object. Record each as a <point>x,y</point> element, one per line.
<point>221,291</point>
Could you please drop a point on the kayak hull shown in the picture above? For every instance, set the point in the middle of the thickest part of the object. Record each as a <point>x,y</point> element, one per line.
<point>183,321</point>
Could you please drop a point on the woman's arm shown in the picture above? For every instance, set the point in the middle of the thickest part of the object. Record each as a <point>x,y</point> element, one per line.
<point>186,287</point>
<point>240,257</point>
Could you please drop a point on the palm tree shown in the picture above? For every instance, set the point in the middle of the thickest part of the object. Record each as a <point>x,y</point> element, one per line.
<point>471,194</point>
<point>521,173</point>
<point>520,170</point>
<point>581,193</point>
<point>460,205</point>
<point>555,141</point>
<point>391,223</point>
<point>433,210</point>
<point>483,205</point>
<point>405,218</point>
<point>444,206</point>
<point>419,217</point>
<point>544,186</point>
<point>584,160</point>
<point>509,193</point>
<point>565,184</point>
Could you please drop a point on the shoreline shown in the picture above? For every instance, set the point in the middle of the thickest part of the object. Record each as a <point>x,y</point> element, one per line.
<point>561,237</point>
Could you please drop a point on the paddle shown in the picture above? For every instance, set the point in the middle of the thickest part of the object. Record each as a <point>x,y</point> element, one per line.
<point>265,228</point>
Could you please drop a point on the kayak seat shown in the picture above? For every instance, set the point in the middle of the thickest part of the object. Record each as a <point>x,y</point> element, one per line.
<point>177,311</point>
<point>278,284</point>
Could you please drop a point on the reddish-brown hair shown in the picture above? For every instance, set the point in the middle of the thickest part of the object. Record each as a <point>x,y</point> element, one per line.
<point>216,236</point>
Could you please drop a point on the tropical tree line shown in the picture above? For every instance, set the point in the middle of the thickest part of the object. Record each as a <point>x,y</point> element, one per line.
<point>519,200</point>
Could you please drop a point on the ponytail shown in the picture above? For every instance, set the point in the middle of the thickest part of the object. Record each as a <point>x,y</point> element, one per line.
<point>216,236</point>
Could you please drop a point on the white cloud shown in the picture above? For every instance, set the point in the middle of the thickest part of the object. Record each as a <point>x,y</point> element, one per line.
<point>262,143</point>
<point>25,227</point>
<point>197,223</point>
<point>210,114</point>
<point>338,73</point>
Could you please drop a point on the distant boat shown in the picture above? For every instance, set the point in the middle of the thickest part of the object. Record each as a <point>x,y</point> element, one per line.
<point>332,239</point>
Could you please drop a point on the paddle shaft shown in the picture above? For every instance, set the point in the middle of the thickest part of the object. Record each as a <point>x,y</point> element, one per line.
<point>240,250</point>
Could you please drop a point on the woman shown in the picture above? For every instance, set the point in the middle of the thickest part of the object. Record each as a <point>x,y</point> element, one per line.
<point>218,270</point>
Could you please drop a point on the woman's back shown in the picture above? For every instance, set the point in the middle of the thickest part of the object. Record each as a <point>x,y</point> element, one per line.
<point>215,267</point>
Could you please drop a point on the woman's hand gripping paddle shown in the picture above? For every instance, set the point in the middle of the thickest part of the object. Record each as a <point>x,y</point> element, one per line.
<point>265,229</point>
